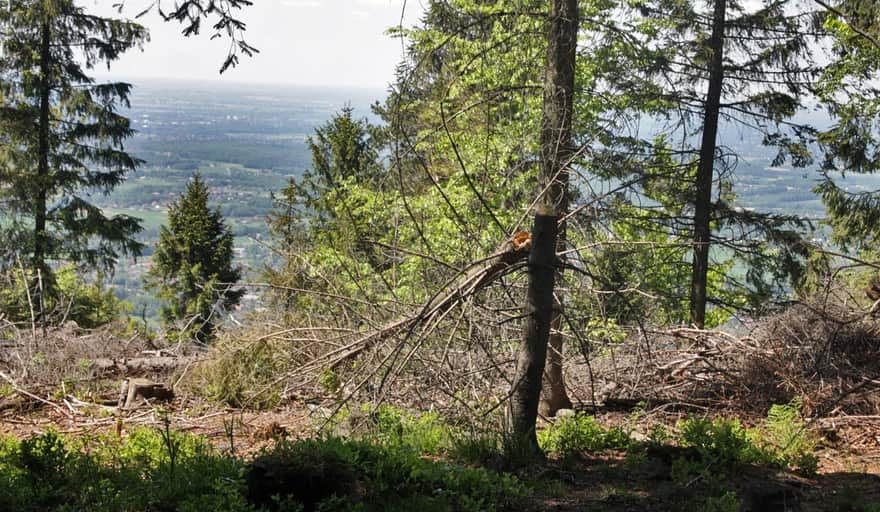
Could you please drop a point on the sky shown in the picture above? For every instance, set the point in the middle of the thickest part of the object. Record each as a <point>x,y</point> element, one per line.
<point>339,43</point>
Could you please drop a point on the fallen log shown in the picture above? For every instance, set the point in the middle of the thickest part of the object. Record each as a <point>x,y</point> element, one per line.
<point>139,365</point>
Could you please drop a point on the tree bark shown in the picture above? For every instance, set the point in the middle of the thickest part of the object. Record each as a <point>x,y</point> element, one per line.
<point>42,181</point>
<point>533,352</point>
<point>556,152</point>
<point>705,171</point>
<point>555,396</point>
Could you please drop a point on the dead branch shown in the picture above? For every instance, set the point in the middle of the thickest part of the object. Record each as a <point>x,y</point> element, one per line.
<point>477,276</point>
<point>32,396</point>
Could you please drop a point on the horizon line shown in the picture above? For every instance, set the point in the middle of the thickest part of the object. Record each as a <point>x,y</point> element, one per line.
<point>234,81</point>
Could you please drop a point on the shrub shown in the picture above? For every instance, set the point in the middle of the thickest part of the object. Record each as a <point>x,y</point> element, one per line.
<point>102,474</point>
<point>90,305</point>
<point>424,433</point>
<point>581,433</point>
<point>241,372</point>
<point>719,441</point>
<point>337,474</point>
<point>782,440</point>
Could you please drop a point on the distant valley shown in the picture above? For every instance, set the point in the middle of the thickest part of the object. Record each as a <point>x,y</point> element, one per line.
<point>246,140</point>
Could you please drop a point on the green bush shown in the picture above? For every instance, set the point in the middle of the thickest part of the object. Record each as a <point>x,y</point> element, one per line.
<point>475,447</point>
<point>424,433</point>
<point>782,440</point>
<point>727,502</point>
<point>719,441</point>
<point>90,305</point>
<point>150,470</point>
<point>581,433</point>
<point>346,474</point>
<point>242,372</point>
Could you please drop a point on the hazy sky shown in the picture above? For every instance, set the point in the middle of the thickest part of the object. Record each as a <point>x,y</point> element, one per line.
<point>315,42</point>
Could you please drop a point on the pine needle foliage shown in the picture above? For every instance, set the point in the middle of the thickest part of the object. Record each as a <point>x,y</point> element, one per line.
<point>192,266</point>
<point>62,136</point>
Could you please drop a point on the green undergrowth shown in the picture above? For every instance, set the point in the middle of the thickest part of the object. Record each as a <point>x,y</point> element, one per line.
<point>345,474</point>
<point>425,433</point>
<point>150,470</point>
<point>581,433</point>
<point>393,460</point>
<point>164,470</point>
<point>781,440</point>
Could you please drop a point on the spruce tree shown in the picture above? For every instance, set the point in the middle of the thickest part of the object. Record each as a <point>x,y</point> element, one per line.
<point>221,15</point>
<point>852,147</point>
<point>320,210</point>
<point>63,136</point>
<point>192,268</point>
<point>691,69</point>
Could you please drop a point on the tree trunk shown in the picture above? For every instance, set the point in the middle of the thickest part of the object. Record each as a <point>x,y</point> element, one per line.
<point>555,396</point>
<point>705,171</point>
<point>556,152</point>
<point>42,181</point>
<point>533,352</point>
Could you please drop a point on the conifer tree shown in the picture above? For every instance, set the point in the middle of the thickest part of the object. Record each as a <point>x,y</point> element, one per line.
<point>342,150</point>
<point>193,271</point>
<point>222,15</point>
<point>320,210</point>
<point>63,136</point>
<point>690,68</point>
<point>851,143</point>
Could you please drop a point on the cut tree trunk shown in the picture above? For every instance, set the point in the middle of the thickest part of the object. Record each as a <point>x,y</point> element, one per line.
<point>533,352</point>
<point>556,154</point>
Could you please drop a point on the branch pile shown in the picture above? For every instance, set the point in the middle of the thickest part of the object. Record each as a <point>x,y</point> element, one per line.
<point>826,352</point>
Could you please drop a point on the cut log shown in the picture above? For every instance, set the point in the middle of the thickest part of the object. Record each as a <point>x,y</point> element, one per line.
<point>133,389</point>
<point>139,365</point>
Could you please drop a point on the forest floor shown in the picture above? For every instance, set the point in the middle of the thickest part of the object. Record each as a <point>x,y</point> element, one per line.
<point>848,477</point>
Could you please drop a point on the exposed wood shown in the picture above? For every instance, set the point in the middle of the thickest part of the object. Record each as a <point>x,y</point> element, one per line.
<point>526,389</point>
<point>133,389</point>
